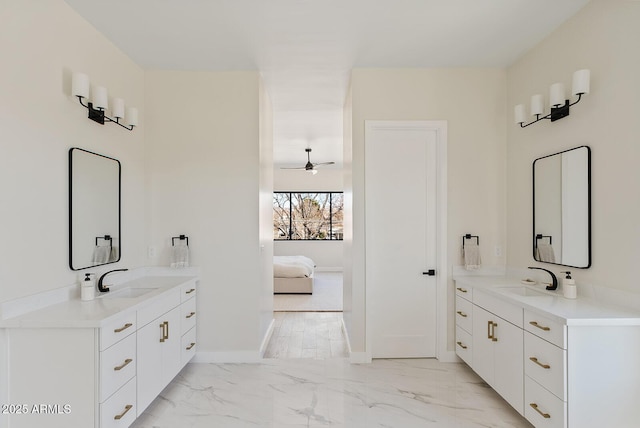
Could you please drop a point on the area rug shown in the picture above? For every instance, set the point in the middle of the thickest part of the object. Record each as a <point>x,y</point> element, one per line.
<point>326,297</point>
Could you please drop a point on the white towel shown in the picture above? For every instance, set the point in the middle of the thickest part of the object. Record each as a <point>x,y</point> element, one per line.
<point>101,254</point>
<point>180,256</point>
<point>471,256</point>
<point>545,253</point>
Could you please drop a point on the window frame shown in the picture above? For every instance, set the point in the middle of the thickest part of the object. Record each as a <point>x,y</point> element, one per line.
<point>331,233</point>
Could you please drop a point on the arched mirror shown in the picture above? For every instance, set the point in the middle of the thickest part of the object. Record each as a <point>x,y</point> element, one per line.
<point>562,208</point>
<point>94,209</point>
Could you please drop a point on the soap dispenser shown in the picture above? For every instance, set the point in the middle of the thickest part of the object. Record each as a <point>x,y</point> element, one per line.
<point>87,288</point>
<point>569,288</point>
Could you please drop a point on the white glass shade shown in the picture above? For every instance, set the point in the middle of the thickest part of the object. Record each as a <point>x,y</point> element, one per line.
<point>80,85</point>
<point>100,97</point>
<point>581,82</point>
<point>537,105</point>
<point>556,95</point>
<point>131,118</point>
<point>117,108</point>
<point>520,113</point>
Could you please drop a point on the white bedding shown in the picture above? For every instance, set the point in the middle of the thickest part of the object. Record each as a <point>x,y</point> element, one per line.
<point>292,267</point>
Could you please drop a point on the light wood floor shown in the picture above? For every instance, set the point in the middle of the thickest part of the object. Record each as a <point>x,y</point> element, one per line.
<point>307,335</point>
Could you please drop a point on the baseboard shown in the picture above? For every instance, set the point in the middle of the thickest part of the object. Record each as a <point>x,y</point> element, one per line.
<point>449,357</point>
<point>267,337</point>
<point>227,357</point>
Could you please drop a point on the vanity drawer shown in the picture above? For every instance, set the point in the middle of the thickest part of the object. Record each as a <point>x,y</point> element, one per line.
<point>117,329</point>
<point>546,364</point>
<point>187,316</point>
<point>507,311</point>
<point>464,310</point>
<point>117,366</point>
<point>119,411</point>
<point>542,408</point>
<point>546,328</point>
<point>463,345</point>
<point>188,344</point>
<point>464,292</point>
<point>188,290</point>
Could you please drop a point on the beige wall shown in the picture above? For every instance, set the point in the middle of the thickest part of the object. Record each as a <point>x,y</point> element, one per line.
<point>472,101</point>
<point>204,170</point>
<point>604,38</point>
<point>42,43</point>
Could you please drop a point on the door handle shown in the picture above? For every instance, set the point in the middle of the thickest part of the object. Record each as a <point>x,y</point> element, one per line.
<point>430,272</point>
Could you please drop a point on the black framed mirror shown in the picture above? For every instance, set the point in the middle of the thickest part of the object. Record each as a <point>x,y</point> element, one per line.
<point>562,208</point>
<point>94,209</point>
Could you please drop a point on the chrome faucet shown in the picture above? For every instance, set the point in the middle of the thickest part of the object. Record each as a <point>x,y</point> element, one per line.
<point>103,288</point>
<point>554,279</point>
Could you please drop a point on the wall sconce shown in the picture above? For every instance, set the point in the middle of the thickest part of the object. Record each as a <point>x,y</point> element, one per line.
<point>559,105</point>
<point>80,89</point>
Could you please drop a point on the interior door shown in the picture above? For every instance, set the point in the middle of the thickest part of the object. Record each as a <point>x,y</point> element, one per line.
<point>400,216</point>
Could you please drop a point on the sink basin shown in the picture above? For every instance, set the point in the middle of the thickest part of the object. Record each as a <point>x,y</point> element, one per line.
<point>523,291</point>
<point>127,293</point>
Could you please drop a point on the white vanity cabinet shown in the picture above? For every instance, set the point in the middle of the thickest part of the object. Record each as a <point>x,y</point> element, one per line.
<point>464,324</point>
<point>98,363</point>
<point>561,363</point>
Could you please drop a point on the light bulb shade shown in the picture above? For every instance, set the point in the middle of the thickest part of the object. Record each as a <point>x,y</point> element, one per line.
<point>131,117</point>
<point>117,108</point>
<point>537,105</point>
<point>100,97</point>
<point>581,82</point>
<point>556,95</point>
<point>80,85</point>
<point>520,113</point>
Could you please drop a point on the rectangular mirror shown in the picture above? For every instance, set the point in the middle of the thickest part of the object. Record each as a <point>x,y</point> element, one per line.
<point>562,208</point>
<point>94,209</point>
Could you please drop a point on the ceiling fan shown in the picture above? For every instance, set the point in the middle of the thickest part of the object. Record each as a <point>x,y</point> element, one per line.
<point>310,167</point>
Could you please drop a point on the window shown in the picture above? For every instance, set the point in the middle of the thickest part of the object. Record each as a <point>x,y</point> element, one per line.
<point>307,216</point>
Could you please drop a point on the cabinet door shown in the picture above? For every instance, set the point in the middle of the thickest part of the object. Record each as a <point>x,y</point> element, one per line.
<point>508,376</point>
<point>171,352</point>
<point>483,344</point>
<point>149,367</point>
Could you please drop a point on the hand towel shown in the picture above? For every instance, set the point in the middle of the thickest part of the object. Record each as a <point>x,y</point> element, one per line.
<point>180,256</point>
<point>471,256</point>
<point>101,254</point>
<point>545,253</point>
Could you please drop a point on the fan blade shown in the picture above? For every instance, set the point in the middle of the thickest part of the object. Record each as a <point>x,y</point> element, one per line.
<point>299,167</point>
<point>323,163</point>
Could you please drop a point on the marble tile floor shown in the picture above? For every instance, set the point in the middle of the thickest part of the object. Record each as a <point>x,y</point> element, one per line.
<point>295,393</point>
<point>307,335</point>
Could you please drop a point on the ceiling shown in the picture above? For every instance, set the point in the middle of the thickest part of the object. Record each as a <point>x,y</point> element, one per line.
<point>305,49</point>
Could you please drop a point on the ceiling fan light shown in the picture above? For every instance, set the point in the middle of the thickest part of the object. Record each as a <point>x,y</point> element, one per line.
<point>312,171</point>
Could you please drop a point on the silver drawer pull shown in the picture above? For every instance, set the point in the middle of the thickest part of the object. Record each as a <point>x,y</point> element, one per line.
<point>123,328</point>
<point>541,327</point>
<point>191,346</point>
<point>123,365</point>
<point>535,407</point>
<point>190,291</point>
<point>462,314</point>
<point>535,360</point>
<point>461,345</point>
<point>190,315</point>
<point>462,290</point>
<point>121,415</point>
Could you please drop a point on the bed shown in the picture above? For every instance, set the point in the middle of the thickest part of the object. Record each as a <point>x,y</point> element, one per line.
<point>293,275</point>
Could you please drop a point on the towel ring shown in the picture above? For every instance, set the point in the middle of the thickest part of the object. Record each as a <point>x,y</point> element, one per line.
<point>541,236</point>
<point>181,237</point>
<point>469,236</point>
<point>105,237</point>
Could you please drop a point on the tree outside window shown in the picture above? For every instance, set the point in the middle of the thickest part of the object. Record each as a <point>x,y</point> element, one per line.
<point>307,216</point>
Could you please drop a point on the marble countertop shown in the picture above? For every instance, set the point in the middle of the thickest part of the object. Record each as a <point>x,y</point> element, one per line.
<point>572,312</point>
<point>75,313</point>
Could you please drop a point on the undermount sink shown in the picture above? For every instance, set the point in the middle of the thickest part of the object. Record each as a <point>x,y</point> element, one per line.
<point>523,291</point>
<point>127,293</point>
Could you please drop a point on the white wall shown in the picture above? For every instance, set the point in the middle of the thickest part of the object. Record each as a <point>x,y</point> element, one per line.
<point>326,254</point>
<point>204,168</point>
<point>473,103</point>
<point>42,43</point>
<point>604,38</point>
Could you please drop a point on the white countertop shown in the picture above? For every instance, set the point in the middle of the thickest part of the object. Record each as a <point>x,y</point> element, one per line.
<point>572,312</point>
<point>75,313</point>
